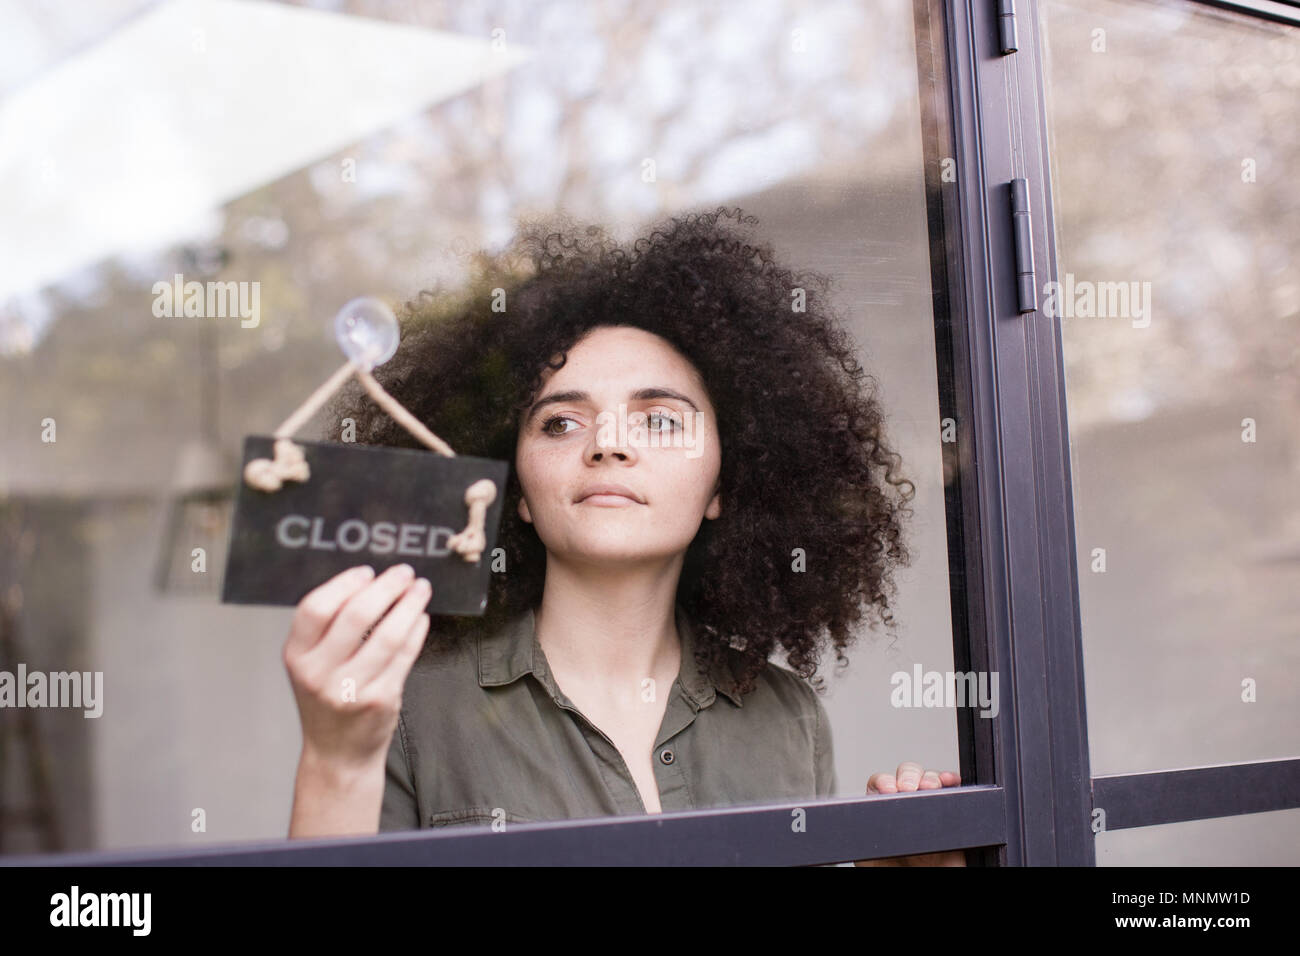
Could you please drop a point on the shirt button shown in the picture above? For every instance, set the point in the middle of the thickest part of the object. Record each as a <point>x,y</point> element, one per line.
<point>666,756</point>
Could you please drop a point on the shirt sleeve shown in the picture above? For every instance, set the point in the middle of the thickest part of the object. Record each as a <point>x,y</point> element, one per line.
<point>400,810</point>
<point>824,753</point>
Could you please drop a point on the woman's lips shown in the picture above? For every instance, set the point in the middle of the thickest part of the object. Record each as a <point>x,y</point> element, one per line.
<point>608,500</point>
<point>609,494</point>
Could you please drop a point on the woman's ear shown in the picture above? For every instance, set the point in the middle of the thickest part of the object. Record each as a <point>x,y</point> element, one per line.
<point>715,507</point>
<point>523,510</point>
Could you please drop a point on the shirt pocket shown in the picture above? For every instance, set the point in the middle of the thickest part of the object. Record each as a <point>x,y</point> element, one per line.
<point>476,816</point>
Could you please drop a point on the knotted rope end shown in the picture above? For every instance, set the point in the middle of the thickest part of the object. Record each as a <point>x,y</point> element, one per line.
<point>289,464</point>
<point>470,543</point>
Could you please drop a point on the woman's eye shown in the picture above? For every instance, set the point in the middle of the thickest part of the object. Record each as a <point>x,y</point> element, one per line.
<point>662,421</point>
<point>548,426</point>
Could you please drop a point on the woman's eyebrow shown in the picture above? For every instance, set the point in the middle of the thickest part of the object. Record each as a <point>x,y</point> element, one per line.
<point>641,394</point>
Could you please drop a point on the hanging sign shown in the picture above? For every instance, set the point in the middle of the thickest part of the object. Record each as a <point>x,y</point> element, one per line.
<point>307,510</point>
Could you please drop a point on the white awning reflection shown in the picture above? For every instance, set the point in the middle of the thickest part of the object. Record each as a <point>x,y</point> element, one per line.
<point>131,144</point>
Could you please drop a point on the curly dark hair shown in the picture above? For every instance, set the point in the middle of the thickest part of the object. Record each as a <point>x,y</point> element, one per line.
<point>805,463</point>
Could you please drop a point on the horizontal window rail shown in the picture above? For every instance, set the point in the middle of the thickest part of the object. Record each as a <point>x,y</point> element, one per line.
<point>1196,793</point>
<point>827,831</point>
<point>1266,9</point>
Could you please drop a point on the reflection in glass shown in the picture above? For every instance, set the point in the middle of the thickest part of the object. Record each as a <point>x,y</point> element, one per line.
<point>1175,145</point>
<point>805,115</point>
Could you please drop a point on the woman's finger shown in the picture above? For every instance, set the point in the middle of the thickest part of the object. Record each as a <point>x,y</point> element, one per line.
<point>930,781</point>
<point>882,783</point>
<point>389,636</point>
<point>357,615</point>
<point>318,607</point>
<point>391,681</point>
<point>908,775</point>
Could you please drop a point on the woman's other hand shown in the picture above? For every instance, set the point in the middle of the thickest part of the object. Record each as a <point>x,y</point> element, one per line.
<point>348,687</point>
<point>911,776</point>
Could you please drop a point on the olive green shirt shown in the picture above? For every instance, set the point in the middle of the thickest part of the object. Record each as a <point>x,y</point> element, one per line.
<point>486,734</point>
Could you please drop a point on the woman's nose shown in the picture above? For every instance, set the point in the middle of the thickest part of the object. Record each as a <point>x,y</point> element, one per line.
<point>614,449</point>
<point>613,439</point>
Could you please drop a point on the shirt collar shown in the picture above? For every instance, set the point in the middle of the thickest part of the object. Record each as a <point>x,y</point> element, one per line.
<point>513,651</point>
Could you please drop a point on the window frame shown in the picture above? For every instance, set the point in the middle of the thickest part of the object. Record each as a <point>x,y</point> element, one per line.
<point>1029,799</point>
<point>1176,794</point>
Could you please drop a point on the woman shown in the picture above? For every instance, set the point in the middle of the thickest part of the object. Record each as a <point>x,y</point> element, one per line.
<point>700,478</point>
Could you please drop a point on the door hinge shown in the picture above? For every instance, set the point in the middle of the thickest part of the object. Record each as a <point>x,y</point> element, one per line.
<point>1023,237</point>
<point>1007,26</point>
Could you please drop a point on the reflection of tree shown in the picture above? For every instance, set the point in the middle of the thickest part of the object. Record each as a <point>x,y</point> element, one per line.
<point>715,94</point>
<point>1149,141</point>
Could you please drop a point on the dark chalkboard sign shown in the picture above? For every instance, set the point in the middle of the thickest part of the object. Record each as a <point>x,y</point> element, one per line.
<point>363,504</point>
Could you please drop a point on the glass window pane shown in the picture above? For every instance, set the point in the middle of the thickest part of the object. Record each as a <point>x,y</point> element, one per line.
<point>401,140</point>
<point>1247,839</point>
<point>1175,144</point>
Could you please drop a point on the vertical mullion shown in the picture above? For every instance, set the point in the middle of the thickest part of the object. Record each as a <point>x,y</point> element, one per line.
<point>1020,641</point>
<point>979,253</point>
<point>1022,466</point>
<point>1066,699</point>
<point>1045,648</point>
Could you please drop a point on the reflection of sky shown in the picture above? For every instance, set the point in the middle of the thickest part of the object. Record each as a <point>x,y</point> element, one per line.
<point>765,159</point>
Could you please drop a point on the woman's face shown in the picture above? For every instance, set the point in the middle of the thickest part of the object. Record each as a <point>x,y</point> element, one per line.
<point>661,449</point>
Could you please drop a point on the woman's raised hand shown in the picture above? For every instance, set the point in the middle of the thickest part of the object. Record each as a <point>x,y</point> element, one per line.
<point>348,687</point>
<point>911,776</point>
